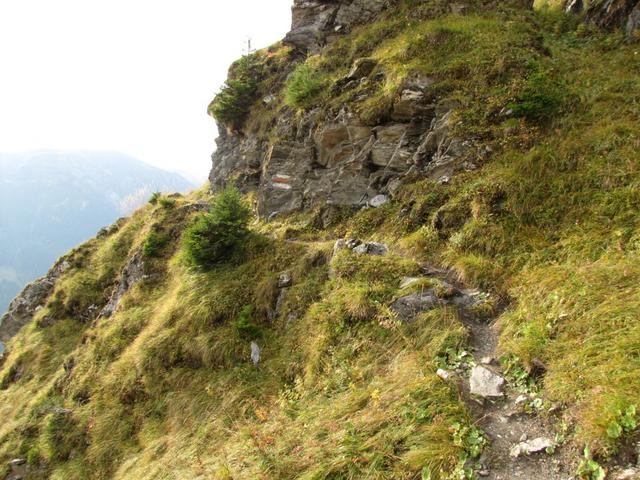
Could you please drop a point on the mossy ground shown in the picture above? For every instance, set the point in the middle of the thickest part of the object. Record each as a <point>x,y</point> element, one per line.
<point>549,225</point>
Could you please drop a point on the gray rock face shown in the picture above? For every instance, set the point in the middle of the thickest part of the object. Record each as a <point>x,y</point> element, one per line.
<point>19,469</point>
<point>485,383</point>
<point>611,14</point>
<point>362,68</point>
<point>316,22</point>
<point>574,6</point>
<point>338,161</point>
<point>633,24</point>
<point>255,353</point>
<point>32,298</point>
<point>336,158</point>
<point>131,274</point>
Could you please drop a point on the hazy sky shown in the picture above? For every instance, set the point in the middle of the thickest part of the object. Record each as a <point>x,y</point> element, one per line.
<point>134,76</point>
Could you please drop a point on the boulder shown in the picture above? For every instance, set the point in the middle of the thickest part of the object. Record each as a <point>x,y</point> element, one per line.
<point>285,280</point>
<point>378,201</point>
<point>353,243</point>
<point>371,248</point>
<point>631,473</point>
<point>485,383</point>
<point>408,307</point>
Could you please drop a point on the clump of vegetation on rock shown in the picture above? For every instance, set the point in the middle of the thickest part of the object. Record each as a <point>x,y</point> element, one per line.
<point>305,84</point>
<point>233,102</point>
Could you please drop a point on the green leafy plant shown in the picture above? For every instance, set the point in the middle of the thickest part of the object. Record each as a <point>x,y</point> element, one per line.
<point>472,442</point>
<point>305,84</point>
<point>455,358</point>
<point>517,375</point>
<point>216,236</point>
<point>626,422</point>
<point>590,469</point>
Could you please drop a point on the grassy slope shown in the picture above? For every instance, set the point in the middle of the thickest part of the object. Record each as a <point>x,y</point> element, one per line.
<point>164,388</point>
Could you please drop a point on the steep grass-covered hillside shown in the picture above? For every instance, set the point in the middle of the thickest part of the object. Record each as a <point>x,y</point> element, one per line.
<point>295,354</point>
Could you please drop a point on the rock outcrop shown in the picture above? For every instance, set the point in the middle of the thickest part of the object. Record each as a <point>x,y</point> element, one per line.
<point>131,274</point>
<point>610,14</point>
<point>340,160</point>
<point>29,301</point>
<point>315,22</point>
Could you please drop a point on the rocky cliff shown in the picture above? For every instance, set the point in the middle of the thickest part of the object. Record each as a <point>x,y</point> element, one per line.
<point>334,156</point>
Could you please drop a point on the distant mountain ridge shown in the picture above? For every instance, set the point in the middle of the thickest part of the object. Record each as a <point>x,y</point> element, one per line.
<point>52,200</point>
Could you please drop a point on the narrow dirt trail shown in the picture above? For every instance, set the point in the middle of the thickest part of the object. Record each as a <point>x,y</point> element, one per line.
<point>506,424</point>
<point>504,420</point>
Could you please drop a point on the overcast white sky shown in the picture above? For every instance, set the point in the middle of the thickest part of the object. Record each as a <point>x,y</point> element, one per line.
<point>133,76</point>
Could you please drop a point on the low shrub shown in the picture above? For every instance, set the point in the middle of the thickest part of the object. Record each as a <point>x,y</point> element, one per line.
<point>541,98</point>
<point>216,236</point>
<point>155,197</point>
<point>166,202</point>
<point>245,325</point>
<point>233,102</point>
<point>154,243</point>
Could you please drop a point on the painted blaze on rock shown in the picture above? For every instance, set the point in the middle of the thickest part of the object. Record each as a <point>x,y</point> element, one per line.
<point>281,181</point>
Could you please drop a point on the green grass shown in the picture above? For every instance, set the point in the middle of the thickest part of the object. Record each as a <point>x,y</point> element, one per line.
<point>549,226</point>
<point>305,84</point>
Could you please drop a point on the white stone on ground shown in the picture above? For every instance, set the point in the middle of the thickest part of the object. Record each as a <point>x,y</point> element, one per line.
<point>486,383</point>
<point>536,445</point>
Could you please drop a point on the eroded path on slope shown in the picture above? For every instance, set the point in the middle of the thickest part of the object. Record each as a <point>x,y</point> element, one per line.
<point>523,444</point>
<point>522,441</point>
<point>518,426</point>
